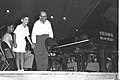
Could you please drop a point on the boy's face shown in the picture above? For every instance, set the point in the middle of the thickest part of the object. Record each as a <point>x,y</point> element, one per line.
<point>11,28</point>
<point>25,20</point>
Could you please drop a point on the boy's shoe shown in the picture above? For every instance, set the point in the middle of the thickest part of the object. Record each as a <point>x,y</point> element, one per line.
<point>22,69</point>
<point>18,70</point>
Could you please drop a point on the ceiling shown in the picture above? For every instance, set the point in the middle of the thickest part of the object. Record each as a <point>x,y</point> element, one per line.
<point>67,14</point>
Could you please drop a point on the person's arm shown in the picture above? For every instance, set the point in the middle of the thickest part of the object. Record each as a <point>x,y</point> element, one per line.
<point>14,39</point>
<point>29,40</point>
<point>33,45</point>
<point>50,31</point>
<point>11,41</point>
<point>11,44</point>
<point>33,37</point>
<point>16,33</point>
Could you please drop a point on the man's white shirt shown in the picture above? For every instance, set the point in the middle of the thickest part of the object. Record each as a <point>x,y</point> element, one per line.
<point>40,29</point>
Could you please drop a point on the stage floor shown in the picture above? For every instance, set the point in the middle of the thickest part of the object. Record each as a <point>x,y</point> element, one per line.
<point>55,75</point>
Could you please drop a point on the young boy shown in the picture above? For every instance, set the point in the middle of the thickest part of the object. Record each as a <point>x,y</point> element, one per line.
<point>21,32</point>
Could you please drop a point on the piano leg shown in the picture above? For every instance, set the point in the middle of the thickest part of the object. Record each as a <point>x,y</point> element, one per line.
<point>81,59</point>
<point>102,60</point>
<point>78,57</point>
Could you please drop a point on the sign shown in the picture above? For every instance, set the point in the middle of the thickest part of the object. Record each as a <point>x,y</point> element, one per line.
<point>104,37</point>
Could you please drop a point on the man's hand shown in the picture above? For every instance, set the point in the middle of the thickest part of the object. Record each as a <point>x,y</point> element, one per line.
<point>33,45</point>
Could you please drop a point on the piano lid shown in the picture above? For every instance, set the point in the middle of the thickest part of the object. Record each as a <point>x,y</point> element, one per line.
<point>96,20</point>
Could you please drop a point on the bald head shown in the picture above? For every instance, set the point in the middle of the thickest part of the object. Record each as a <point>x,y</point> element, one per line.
<point>43,16</point>
<point>43,13</point>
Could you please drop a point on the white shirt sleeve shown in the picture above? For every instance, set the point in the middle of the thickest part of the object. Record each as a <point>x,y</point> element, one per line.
<point>11,38</point>
<point>50,31</point>
<point>7,37</point>
<point>33,37</point>
<point>17,30</point>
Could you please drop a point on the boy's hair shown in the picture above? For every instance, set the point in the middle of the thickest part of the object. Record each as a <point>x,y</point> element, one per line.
<point>9,23</point>
<point>24,15</point>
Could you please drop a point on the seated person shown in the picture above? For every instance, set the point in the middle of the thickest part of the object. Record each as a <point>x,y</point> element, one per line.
<point>7,56</point>
<point>29,58</point>
<point>6,44</point>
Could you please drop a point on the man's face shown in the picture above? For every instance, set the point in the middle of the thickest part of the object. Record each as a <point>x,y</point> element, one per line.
<point>43,16</point>
<point>25,20</point>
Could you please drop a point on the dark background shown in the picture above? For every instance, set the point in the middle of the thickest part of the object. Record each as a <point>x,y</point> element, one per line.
<point>74,11</point>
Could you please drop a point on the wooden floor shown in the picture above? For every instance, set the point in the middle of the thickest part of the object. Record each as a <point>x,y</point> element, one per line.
<point>47,75</point>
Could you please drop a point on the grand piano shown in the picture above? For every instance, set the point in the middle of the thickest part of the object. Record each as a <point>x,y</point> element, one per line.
<point>96,35</point>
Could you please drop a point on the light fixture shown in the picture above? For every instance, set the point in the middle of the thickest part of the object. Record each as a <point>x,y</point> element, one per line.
<point>8,11</point>
<point>51,16</point>
<point>76,30</point>
<point>64,18</point>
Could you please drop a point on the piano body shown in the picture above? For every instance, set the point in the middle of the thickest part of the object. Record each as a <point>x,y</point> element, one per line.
<point>95,35</point>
